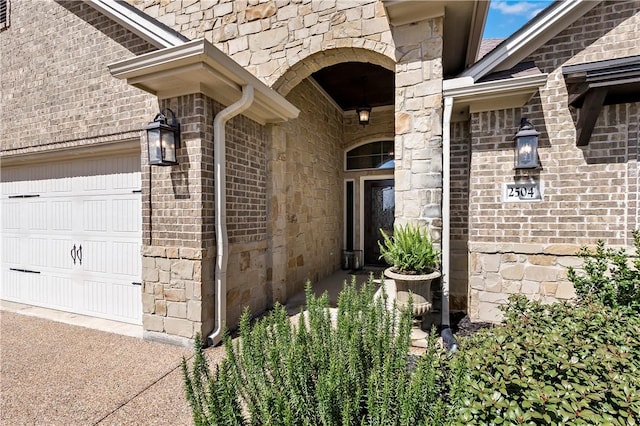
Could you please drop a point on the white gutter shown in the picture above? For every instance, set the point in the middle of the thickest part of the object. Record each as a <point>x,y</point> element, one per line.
<point>222,239</point>
<point>139,23</point>
<point>446,203</point>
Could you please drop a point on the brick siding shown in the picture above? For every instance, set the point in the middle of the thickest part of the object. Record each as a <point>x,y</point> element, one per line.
<point>55,83</point>
<point>589,193</point>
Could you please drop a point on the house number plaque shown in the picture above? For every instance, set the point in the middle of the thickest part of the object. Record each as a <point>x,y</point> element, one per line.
<point>519,192</point>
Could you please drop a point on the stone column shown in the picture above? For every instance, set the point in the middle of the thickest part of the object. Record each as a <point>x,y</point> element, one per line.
<point>418,139</point>
<point>277,214</point>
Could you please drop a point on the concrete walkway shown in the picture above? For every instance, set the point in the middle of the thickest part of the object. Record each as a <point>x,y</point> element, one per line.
<point>53,372</point>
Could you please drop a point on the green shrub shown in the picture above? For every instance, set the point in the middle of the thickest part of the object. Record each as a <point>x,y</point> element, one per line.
<point>409,250</point>
<point>354,371</point>
<point>553,364</point>
<point>609,276</point>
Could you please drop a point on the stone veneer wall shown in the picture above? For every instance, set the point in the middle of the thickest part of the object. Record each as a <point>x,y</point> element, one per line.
<point>62,97</point>
<point>307,211</point>
<point>589,193</point>
<point>179,225</point>
<point>418,127</point>
<point>269,37</point>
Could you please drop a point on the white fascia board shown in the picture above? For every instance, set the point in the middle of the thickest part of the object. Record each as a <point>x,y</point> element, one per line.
<point>144,27</point>
<point>532,36</point>
<point>499,94</point>
<point>198,66</point>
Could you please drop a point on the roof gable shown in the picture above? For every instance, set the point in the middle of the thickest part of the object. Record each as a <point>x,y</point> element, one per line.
<point>546,25</point>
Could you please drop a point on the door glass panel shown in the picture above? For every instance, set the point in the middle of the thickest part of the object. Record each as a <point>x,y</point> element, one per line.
<point>379,214</point>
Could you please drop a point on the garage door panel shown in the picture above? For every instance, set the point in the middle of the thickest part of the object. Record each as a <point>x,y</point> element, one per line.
<point>37,215</point>
<point>124,210</point>
<point>59,253</point>
<point>125,258</point>
<point>11,250</point>
<point>61,215</point>
<point>10,289</point>
<point>95,216</point>
<point>115,299</point>
<point>11,218</point>
<point>95,256</point>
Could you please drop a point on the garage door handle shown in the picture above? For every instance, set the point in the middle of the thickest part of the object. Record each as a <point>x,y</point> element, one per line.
<point>73,254</point>
<point>80,254</point>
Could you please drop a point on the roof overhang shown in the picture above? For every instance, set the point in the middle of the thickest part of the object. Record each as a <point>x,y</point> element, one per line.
<point>492,95</point>
<point>139,23</point>
<point>463,25</point>
<point>594,84</point>
<point>199,67</point>
<point>546,25</point>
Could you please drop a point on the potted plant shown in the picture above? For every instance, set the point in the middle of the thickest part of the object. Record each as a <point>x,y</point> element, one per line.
<point>414,265</point>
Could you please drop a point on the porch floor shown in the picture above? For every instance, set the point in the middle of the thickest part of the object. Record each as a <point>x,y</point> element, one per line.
<point>334,283</point>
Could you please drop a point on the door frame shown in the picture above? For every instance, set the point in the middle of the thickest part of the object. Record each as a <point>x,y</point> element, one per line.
<point>364,179</point>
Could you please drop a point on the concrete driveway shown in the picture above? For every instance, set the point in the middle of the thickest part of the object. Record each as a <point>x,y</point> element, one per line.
<point>57,374</point>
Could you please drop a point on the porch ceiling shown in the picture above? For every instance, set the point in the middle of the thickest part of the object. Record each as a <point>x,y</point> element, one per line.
<point>354,84</point>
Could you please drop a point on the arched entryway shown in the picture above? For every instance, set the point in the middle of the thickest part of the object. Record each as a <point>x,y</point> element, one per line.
<point>316,201</point>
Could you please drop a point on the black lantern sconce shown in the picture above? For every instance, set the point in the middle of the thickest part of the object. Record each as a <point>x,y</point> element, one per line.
<point>526,155</point>
<point>364,112</point>
<point>163,140</point>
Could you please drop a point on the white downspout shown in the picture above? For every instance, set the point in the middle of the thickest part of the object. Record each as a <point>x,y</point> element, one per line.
<point>446,210</point>
<point>222,240</point>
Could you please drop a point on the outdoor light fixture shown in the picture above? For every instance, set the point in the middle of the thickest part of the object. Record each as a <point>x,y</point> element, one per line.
<point>364,112</point>
<point>526,155</point>
<point>163,139</point>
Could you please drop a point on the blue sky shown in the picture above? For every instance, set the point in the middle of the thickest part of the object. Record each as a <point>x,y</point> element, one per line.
<point>507,16</point>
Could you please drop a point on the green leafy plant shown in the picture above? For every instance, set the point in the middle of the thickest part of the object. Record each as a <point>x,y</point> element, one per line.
<point>349,367</point>
<point>553,364</point>
<point>609,276</point>
<point>409,250</point>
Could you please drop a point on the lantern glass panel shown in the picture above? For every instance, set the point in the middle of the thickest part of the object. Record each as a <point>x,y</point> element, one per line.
<point>363,115</point>
<point>527,152</point>
<point>168,146</point>
<point>154,146</point>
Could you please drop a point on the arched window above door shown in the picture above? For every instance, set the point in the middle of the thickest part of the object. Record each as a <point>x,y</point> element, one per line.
<point>373,155</point>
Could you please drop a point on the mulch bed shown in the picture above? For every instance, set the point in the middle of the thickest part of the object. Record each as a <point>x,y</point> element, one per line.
<point>461,325</point>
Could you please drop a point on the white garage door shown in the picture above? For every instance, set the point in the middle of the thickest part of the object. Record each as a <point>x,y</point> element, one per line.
<point>71,235</point>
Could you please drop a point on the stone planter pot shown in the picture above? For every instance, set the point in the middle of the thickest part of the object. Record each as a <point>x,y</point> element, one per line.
<point>419,286</point>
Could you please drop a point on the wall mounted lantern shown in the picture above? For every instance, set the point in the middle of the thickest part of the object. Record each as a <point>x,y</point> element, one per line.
<point>163,139</point>
<point>364,112</point>
<point>526,155</point>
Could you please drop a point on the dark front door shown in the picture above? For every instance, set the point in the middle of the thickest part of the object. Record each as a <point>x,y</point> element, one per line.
<point>379,213</point>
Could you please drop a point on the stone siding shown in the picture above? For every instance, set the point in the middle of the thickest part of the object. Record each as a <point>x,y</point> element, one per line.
<point>55,82</point>
<point>311,205</point>
<point>538,271</point>
<point>589,192</point>
<point>418,126</point>
<point>268,38</point>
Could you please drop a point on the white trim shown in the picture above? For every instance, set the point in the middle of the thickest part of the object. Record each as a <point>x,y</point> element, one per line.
<point>493,95</point>
<point>361,199</point>
<point>98,149</point>
<point>344,216</point>
<point>138,23</point>
<point>533,35</point>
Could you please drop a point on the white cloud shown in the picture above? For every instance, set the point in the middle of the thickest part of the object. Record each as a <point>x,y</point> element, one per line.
<point>522,8</point>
